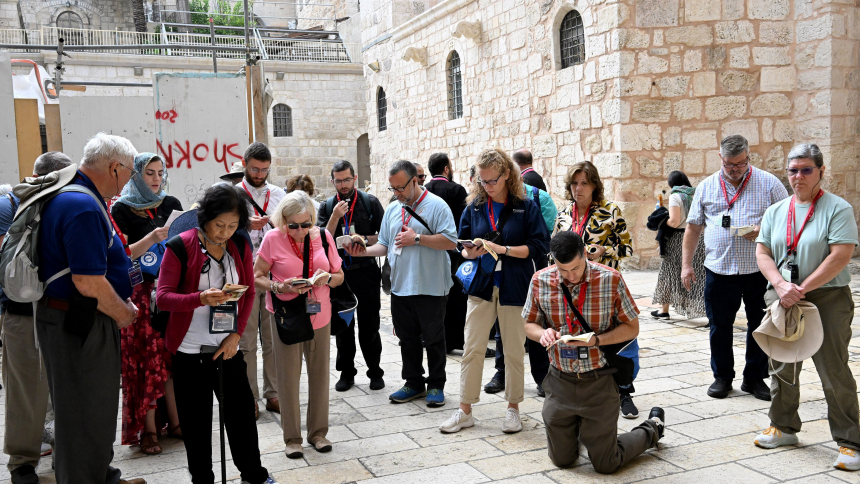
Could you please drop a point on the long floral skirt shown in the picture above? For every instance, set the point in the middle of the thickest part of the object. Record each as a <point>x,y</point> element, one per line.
<point>145,367</point>
<point>670,289</point>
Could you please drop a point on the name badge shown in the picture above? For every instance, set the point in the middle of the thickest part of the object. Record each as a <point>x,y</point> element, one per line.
<point>569,353</point>
<point>135,275</point>
<point>312,306</point>
<point>351,229</point>
<point>727,222</point>
<point>583,352</point>
<point>397,250</point>
<point>790,272</point>
<point>223,318</point>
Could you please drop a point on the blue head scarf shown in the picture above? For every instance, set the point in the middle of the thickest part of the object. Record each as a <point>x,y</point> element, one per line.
<point>136,193</point>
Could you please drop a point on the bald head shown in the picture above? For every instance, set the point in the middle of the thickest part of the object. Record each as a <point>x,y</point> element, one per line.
<point>522,157</point>
<point>50,162</point>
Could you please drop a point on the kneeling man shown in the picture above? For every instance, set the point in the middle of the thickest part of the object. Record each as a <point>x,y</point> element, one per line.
<point>581,403</point>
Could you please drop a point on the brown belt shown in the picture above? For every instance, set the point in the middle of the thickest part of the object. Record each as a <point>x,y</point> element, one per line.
<point>57,304</point>
<point>586,375</point>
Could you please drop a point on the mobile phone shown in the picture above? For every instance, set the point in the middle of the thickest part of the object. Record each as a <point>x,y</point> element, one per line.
<point>209,349</point>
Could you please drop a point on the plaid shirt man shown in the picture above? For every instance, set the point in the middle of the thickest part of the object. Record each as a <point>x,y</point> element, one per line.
<point>727,254</point>
<point>607,300</point>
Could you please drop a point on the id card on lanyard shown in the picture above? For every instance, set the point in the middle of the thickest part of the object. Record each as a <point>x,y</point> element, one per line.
<point>727,219</point>
<point>349,216</point>
<point>135,274</point>
<point>577,352</point>
<point>789,269</point>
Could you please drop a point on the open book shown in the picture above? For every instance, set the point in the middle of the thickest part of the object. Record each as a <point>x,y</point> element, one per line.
<point>477,243</point>
<point>741,231</point>
<point>310,281</point>
<point>235,291</point>
<point>345,240</point>
<point>569,338</point>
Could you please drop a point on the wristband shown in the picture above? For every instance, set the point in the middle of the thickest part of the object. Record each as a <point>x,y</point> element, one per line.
<point>596,341</point>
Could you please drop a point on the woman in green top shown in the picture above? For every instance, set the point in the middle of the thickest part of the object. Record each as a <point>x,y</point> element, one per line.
<point>804,248</point>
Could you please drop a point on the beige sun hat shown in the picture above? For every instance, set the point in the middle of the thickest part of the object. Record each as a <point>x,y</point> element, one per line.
<point>236,171</point>
<point>790,335</point>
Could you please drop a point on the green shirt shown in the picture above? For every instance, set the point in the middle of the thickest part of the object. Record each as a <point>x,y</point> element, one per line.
<point>832,223</point>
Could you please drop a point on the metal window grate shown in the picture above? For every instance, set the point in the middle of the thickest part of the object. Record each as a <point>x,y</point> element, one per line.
<point>381,109</point>
<point>572,40</point>
<point>455,87</point>
<point>282,118</point>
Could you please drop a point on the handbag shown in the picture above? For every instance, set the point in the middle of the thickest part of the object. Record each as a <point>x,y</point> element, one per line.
<point>476,275</point>
<point>386,267</point>
<point>291,317</point>
<point>611,353</point>
<point>150,261</point>
<point>343,300</point>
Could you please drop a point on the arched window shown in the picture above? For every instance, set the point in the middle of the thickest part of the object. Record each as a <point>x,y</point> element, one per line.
<point>381,109</point>
<point>572,40</point>
<point>455,87</point>
<point>73,22</point>
<point>282,118</point>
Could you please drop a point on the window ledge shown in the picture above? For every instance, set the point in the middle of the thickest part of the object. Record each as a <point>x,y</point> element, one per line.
<point>455,123</point>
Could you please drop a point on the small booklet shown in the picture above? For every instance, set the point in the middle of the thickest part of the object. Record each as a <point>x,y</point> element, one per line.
<point>345,240</point>
<point>477,243</point>
<point>741,231</point>
<point>569,338</point>
<point>310,281</point>
<point>173,216</point>
<point>235,291</point>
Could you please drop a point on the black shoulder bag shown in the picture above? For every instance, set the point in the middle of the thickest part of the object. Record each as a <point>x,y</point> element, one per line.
<point>291,317</point>
<point>386,267</point>
<point>623,365</point>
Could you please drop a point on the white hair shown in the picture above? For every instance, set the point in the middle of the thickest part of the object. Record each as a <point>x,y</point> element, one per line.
<point>103,149</point>
<point>295,203</point>
<point>5,189</point>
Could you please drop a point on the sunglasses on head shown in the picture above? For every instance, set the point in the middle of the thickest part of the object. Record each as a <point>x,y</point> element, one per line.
<point>304,225</point>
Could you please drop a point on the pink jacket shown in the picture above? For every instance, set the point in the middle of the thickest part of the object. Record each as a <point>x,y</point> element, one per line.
<point>182,301</point>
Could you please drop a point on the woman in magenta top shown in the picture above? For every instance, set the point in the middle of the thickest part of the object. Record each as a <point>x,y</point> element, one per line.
<point>281,254</point>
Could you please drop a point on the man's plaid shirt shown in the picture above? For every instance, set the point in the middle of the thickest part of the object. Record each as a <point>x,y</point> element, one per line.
<point>607,301</point>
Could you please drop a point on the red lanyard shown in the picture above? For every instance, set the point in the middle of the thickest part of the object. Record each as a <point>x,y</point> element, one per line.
<point>121,237</point>
<point>580,306</point>
<point>492,214</point>
<point>151,216</point>
<point>740,190</point>
<point>527,170</point>
<point>406,219</point>
<point>265,206</point>
<point>792,240</point>
<point>578,226</point>
<point>348,220</point>
<point>310,253</point>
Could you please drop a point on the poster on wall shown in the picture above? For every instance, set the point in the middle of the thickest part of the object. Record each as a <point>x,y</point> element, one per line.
<point>201,128</point>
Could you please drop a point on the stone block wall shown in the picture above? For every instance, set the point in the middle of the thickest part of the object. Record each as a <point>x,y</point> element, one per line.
<point>95,15</point>
<point>663,81</point>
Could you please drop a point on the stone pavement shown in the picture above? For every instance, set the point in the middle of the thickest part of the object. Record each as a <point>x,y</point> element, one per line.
<point>375,441</point>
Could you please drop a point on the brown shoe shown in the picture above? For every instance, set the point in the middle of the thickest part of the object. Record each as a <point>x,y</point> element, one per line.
<point>321,444</point>
<point>294,451</point>
<point>273,405</point>
<point>132,481</point>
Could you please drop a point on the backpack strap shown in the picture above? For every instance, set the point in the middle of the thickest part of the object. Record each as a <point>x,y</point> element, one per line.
<point>14,202</point>
<point>177,245</point>
<point>536,195</point>
<point>365,201</point>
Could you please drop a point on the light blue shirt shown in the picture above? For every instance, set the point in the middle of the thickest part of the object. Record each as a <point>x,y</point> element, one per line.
<point>727,254</point>
<point>419,270</point>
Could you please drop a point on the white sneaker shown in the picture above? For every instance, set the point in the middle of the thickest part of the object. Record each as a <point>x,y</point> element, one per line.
<point>773,438</point>
<point>512,423</point>
<point>848,460</point>
<point>459,420</point>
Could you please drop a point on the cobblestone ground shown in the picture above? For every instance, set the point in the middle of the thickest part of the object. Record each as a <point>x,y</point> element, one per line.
<point>375,441</point>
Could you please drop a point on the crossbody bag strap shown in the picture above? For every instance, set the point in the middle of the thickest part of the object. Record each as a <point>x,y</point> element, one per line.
<point>582,322</point>
<point>307,255</point>
<point>259,209</point>
<point>418,218</point>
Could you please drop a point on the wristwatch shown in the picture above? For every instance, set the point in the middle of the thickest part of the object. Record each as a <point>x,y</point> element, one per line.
<point>417,239</point>
<point>596,341</point>
<point>329,280</point>
<point>507,249</point>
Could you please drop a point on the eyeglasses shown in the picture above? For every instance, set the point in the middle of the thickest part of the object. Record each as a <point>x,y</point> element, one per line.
<point>422,177</point>
<point>345,180</point>
<point>132,170</point>
<point>304,225</point>
<point>489,183</point>
<point>400,189</point>
<point>739,166</point>
<point>264,171</point>
<point>805,171</point>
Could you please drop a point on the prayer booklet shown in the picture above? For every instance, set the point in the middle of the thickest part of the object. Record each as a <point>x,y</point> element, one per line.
<point>741,231</point>
<point>569,338</point>
<point>345,240</point>
<point>310,281</point>
<point>235,291</point>
<point>477,243</point>
<point>173,216</point>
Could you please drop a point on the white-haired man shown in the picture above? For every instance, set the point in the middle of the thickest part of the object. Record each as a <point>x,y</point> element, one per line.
<point>79,318</point>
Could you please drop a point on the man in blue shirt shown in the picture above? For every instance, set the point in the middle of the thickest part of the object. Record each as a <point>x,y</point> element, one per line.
<point>26,394</point>
<point>79,319</point>
<point>420,279</point>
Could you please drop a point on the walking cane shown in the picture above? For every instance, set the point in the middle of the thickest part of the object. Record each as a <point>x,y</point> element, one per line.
<point>221,416</point>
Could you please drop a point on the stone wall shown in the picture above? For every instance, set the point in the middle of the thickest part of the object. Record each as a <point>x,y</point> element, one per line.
<point>95,15</point>
<point>663,81</point>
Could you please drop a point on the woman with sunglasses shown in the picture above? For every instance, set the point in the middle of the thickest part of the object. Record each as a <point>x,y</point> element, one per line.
<point>204,331</point>
<point>803,249</point>
<point>282,254</point>
<point>511,226</point>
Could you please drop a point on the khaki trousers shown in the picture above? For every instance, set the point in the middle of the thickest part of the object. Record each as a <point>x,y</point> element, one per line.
<point>480,317</point>
<point>836,308</point>
<point>26,391</point>
<point>288,360</point>
<point>586,411</point>
<point>248,345</point>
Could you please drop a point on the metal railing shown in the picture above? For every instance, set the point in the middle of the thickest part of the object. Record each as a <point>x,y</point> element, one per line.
<point>283,49</point>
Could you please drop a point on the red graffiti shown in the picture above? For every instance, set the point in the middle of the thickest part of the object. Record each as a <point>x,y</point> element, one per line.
<point>196,156</point>
<point>200,152</point>
<point>223,157</point>
<point>166,115</point>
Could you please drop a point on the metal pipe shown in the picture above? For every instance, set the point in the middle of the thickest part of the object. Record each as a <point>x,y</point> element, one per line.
<point>247,34</point>
<point>107,84</point>
<point>212,37</point>
<point>131,47</point>
<point>258,16</point>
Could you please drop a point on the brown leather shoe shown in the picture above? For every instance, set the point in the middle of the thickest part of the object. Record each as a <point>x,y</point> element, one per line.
<point>132,481</point>
<point>273,405</point>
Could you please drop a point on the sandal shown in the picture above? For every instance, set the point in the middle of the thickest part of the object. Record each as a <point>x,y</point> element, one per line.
<point>175,432</point>
<point>148,444</point>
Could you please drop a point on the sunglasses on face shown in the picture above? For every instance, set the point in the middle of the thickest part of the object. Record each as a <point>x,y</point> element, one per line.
<point>304,225</point>
<point>805,171</point>
<point>421,177</point>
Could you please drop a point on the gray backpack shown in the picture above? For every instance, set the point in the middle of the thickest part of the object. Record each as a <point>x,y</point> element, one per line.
<point>19,258</point>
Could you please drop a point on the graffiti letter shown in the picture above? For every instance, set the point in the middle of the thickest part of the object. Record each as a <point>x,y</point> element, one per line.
<point>168,156</point>
<point>230,151</point>
<point>201,158</point>
<point>186,154</point>
<point>158,115</point>
<point>220,159</point>
<point>172,116</point>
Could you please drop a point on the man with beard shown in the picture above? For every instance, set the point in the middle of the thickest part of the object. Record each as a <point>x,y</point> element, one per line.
<point>265,197</point>
<point>353,212</point>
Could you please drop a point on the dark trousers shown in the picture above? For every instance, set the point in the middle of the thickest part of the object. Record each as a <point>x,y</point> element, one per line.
<point>538,357</point>
<point>83,379</point>
<point>723,296</point>
<point>364,283</point>
<point>195,379</point>
<point>416,318</point>
<point>455,310</point>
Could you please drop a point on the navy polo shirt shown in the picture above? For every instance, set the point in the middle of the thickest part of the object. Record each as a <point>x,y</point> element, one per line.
<point>74,233</point>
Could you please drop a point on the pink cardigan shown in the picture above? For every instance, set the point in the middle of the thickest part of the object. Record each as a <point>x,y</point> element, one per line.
<point>182,301</point>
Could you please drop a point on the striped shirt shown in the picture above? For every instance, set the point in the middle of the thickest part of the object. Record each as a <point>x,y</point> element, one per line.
<point>727,254</point>
<point>607,302</point>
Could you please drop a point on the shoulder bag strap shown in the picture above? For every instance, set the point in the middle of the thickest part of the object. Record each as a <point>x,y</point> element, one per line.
<point>307,256</point>
<point>419,219</point>
<point>579,318</point>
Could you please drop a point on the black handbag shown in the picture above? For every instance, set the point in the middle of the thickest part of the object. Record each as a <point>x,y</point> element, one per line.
<point>291,317</point>
<point>343,300</point>
<point>624,366</point>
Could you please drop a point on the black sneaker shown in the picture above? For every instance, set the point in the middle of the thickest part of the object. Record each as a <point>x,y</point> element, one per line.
<point>628,409</point>
<point>25,474</point>
<point>496,385</point>
<point>720,388</point>
<point>377,383</point>
<point>758,388</point>
<point>657,314</point>
<point>540,391</point>
<point>344,384</point>
<point>659,415</point>
<point>490,353</point>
